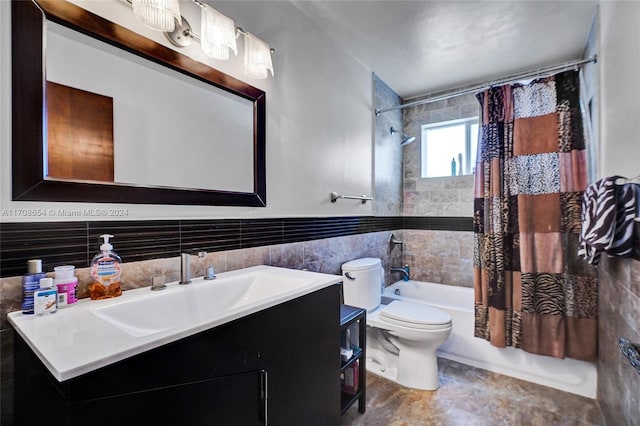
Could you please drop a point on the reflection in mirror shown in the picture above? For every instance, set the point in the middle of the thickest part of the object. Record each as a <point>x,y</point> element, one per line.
<point>157,127</point>
<point>79,134</point>
<point>168,129</point>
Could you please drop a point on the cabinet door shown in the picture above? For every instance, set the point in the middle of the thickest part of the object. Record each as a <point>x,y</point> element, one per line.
<point>238,399</point>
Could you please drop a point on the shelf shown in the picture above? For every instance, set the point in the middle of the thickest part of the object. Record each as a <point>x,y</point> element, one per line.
<point>350,315</point>
<point>346,400</point>
<point>354,357</point>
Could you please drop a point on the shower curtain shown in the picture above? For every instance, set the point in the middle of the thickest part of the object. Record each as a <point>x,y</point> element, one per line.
<point>532,291</point>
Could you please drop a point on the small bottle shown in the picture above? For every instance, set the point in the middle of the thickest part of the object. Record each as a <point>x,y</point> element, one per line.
<point>351,379</point>
<point>67,285</point>
<point>105,270</point>
<point>31,283</point>
<point>45,299</point>
<point>405,277</point>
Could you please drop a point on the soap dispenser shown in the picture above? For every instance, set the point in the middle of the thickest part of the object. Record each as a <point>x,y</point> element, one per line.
<point>106,267</point>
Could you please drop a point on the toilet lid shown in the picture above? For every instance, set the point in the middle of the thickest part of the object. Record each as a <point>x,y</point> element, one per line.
<point>414,314</point>
<point>362,264</point>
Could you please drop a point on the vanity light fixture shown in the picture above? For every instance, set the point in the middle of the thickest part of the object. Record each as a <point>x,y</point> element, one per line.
<point>218,36</point>
<point>159,15</point>
<point>257,57</point>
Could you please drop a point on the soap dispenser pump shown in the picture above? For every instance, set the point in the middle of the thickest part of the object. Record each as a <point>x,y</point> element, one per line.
<point>106,267</point>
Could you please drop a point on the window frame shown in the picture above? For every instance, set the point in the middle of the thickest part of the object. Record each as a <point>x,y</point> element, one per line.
<point>468,123</point>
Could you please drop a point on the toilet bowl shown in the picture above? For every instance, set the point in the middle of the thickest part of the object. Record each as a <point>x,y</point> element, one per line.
<point>402,337</point>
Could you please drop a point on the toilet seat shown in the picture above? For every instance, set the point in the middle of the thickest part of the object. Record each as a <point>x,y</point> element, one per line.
<point>414,315</point>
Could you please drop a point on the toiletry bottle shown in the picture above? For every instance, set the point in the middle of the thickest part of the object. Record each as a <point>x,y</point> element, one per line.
<point>351,378</point>
<point>31,283</point>
<point>67,285</point>
<point>405,277</point>
<point>44,299</point>
<point>105,270</point>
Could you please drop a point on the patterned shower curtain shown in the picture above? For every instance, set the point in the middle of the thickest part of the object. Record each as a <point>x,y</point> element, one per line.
<point>532,291</point>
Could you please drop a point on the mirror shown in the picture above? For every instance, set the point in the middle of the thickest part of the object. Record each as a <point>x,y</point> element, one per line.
<point>148,163</point>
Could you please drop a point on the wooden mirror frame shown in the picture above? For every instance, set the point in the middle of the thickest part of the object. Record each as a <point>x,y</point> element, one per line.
<point>28,112</point>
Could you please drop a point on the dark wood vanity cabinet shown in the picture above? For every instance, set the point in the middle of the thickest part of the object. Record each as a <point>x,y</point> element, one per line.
<point>276,367</point>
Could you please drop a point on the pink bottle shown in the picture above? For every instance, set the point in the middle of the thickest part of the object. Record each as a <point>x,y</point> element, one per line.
<point>67,284</point>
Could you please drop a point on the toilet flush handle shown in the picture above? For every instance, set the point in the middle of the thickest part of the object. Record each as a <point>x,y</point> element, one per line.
<point>349,275</point>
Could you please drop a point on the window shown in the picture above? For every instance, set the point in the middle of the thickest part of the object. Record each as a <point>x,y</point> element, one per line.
<point>449,147</point>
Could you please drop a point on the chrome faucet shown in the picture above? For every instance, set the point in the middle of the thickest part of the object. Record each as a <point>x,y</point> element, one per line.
<point>185,266</point>
<point>405,272</point>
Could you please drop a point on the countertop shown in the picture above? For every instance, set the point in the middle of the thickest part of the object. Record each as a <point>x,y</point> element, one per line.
<point>75,341</point>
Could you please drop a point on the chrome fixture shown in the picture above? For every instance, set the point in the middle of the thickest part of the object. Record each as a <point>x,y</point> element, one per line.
<point>406,139</point>
<point>335,197</point>
<point>394,241</point>
<point>465,90</point>
<point>159,15</point>
<point>185,266</point>
<point>157,283</point>
<point>404,271</point>
<point>211,273</point>
<point>218,33</point>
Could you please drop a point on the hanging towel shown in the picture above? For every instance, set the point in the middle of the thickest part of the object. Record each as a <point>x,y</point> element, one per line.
<point>608,213</point>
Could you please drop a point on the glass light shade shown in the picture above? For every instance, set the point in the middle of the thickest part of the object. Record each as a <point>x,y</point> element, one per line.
<point>218,34</point>
<point>257,57</point>
<point>157,14</point>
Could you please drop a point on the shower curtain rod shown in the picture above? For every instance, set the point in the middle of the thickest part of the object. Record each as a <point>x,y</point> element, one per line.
<point>464,90</point>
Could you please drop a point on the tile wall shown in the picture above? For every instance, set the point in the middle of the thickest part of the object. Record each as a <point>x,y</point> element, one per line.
<point>446,196</point>
<point>619,304</point>
<point>388,153</point>
<point>440,256</point>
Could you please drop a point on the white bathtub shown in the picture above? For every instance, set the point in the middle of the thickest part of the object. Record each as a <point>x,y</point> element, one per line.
<point>567,374</point>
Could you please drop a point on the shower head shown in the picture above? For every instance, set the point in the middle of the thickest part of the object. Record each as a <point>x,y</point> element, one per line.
<point>406,139</point>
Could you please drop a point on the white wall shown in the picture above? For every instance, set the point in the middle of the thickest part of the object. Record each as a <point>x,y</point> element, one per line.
<point>319,118</point>
<point>619,60</point>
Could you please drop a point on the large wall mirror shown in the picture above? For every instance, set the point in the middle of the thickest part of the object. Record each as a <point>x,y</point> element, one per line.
<point>102,114</point>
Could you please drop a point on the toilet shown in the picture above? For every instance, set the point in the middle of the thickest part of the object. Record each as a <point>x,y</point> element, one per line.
<point>402,337</point>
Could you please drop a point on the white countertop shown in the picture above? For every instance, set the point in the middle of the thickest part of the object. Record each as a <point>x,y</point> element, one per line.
<point>75,341</point>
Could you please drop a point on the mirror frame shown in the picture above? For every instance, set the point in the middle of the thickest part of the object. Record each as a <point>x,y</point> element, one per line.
<point>28,111</point>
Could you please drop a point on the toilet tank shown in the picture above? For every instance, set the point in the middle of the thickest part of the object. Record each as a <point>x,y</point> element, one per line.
<point>362,283</point>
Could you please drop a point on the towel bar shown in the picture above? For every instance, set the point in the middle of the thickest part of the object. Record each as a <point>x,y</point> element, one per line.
<point>335,196</point>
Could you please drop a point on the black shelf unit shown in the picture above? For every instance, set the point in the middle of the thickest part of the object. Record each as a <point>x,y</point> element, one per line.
<point>348,316</point>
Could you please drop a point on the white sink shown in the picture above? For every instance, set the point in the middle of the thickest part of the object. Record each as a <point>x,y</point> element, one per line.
<point>199,301</point>
<point>96,333</point>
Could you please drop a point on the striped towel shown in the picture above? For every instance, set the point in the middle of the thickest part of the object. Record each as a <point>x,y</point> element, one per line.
<point>608,213</point>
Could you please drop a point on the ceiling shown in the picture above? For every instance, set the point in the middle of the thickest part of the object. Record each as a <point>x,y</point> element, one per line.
<point>422,47</point>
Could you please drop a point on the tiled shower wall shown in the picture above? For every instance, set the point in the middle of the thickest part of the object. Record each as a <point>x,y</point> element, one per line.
<point>437,256</point>
<point>446,196</point>
<point>440,256</point>
<point>619,304</point>
<point>388,153</point>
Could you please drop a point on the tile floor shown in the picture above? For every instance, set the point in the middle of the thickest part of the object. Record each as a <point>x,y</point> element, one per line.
<point>470,396</point>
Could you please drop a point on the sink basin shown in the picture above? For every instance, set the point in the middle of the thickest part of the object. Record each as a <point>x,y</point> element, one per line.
<point>146,313</point>
<point>96,333</point>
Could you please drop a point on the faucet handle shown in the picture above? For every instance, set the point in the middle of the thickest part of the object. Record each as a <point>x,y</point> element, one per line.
<point>211,273</point>
<point>157,283</point>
